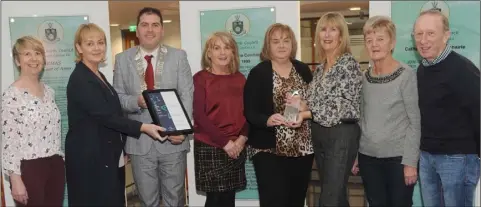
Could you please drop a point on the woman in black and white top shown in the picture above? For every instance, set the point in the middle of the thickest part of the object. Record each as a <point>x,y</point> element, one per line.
<point>31,153</point>
<point>333,105</point>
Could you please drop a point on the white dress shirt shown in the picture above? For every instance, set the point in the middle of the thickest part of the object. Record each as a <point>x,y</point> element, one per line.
<point>154,54</point>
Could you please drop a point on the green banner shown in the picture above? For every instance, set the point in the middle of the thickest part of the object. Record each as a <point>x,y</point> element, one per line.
<point>463,21</point>
<point>57,34</point>
<point>248,26</point>
<point>464,24</point>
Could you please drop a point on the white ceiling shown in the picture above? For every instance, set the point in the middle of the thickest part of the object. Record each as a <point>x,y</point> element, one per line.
<point>125,13</point>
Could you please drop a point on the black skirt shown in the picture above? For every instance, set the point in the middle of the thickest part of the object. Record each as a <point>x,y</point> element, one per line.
<point>215,171</point>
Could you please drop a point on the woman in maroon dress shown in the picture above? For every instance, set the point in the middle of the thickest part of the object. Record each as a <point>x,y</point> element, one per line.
<point>220,126</point>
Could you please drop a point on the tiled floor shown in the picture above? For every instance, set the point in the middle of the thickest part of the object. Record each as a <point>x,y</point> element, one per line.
<point>355,191</point>
<point>356,196</point>
<point>134,201</point>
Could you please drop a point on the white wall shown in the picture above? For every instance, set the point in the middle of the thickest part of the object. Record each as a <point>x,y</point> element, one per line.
<point>384,8</point>
<point>379,8</point>
<point>98,12</point>
<point>172,32</point>
<point>116,42</point>
<point>287,12</point>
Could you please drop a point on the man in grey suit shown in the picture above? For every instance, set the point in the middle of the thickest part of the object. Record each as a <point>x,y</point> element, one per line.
<point>158,167</point>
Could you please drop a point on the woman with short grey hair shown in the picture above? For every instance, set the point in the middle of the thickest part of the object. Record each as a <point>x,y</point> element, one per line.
<point>390,121</point>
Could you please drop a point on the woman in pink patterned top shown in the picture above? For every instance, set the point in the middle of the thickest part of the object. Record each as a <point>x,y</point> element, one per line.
<point>31,153</point>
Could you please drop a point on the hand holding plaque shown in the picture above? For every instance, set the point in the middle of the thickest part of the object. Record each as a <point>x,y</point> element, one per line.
<point>152,130</point>
<point>141,102</point>
<point>167,111</point>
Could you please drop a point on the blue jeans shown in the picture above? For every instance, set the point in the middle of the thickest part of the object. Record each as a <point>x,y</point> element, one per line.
<point>448,180</point>
<point>472,178</point>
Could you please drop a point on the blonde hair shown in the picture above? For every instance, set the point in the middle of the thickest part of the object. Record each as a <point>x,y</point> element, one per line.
<point>444,19</point>
<point>28,42</point>
<point>335,19</point>
<point>80,34</point>
<point>285,30</point>
<point>227,39</point>
<point>379,23</point>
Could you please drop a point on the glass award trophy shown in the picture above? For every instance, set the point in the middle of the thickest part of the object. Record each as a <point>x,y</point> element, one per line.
<point>292,109</point>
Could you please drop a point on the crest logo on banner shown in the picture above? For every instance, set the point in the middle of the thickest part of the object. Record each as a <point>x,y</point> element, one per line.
<point>50,31</point>
<point>441,6</point>
<point>238,25</point>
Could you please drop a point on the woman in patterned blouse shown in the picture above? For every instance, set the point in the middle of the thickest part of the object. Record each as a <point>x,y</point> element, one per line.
<point>31,151</point>
<point>333,103</point>
<point>282,155</point>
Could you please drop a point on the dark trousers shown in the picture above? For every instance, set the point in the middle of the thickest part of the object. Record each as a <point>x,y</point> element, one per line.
<point>383,180</point>
<point>44,179</point>
<point>335,149</point>
<point>122,182</point>
<point>282,181</point>
<point>225,199</point>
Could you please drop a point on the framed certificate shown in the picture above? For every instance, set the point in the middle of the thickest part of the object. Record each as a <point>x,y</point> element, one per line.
<point>167,111</point>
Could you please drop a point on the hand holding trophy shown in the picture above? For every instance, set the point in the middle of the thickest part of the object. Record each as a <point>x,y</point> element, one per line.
<point>293,104</point>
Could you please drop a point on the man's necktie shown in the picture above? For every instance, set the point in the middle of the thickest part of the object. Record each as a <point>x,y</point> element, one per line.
<point>149,73</point>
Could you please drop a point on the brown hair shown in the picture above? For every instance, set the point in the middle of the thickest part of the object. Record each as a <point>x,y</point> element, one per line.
<point>336,19</point>
<point>284,29</point>
<point>150,10</point>
<point>80,34</point>
<point>28,42</point>
<point>227,39</point>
